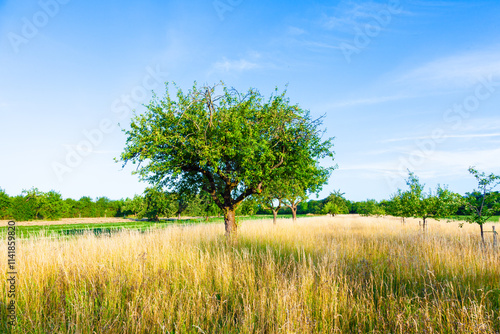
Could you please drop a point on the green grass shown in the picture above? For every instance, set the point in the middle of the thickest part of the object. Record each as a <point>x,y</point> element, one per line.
<point>493,219</point>
<point>64,230</point>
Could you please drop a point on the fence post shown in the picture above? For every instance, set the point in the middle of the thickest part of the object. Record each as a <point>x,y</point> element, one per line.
<point>494,237</point>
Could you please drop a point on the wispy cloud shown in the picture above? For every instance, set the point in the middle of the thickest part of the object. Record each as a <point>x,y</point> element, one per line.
<point>321,45</point>
<point>440,164</point>
<point>295,31</point>
<point>239,65</point>
<point>458,161</point>
<point>349,15</point>
<point>474,128</point>
<point>455,70</point>
<point>464,136</point>
<point>365,101</point>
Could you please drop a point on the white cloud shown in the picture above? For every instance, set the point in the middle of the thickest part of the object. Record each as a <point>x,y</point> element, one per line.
<point>365,101</point>
<point>234,65</point>
<point>456,70</point>
<point>463,136</point>
<point>295,31</point>
<point>349,15</point>
<point>457,162</point>
<point>474,128</point>
<point>322,45</point>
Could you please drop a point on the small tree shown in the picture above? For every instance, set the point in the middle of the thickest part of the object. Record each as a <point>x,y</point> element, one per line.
<point>35,199</point>
<point>137,205</point>
<point>399,205</point>
<point>272,197</point>
<point>102,205</point>
<point>443,203</point>
<point>5,203</point>
<point>157,204</point>
<point>481,204</point>
<point>309,181</point>
<point>336,204</point>
<point>52,206</point>
<point>248,207</point>
<point>183,200</point>
<point>369,207</point>
<point>86,207</point>
<point>272,203</point>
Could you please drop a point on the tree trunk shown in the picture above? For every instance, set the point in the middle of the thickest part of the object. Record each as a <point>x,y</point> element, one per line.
<point>179,216</point>
<point>482,233</point>
<point>230,222</point>
<point>294,213</point>
<point>424,222</point>
<point>275,214</point>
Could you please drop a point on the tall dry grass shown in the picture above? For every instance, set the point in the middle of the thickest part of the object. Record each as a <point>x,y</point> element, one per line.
<point>319,275</point>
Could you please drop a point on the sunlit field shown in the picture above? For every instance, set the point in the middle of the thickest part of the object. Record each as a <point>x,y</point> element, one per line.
<point>346,274</point>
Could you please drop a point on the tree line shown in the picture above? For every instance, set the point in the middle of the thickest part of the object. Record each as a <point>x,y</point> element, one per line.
<point>154,204</point>
<point>34,204</point>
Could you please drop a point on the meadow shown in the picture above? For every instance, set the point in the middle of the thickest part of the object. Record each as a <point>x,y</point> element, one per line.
<point>343,274</point>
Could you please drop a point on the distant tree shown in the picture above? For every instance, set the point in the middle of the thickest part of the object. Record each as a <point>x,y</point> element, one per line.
<point>272,203</point>
<point>135,205</point>
<point>52,206</point>
<point>208,207</point>
<point>104,207</point>
<point>303,207</point>
<point>158,204</point>
<point>297,189</point>
<point>35,199</point>
<point>86,207</point>
<point>442,204</point>
<point>336,204</point>
<point>21,209</point>
<point>5,203</point>
<point>400,205</point>
<point>248,207</point>
<point>183,199</point>
<point>481,204</point>
<point>272,197</point>
<point>70,208</point>
<point>229,145</point>
<point>315,206</point>
<point>369,207</point>
<point>116,208</point>
<point>495,202</point>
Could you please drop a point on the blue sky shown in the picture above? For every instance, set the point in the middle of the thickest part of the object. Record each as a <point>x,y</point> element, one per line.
<point>402,84</point>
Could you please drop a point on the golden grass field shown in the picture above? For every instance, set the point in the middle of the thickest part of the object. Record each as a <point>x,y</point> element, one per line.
<point>346,274</point>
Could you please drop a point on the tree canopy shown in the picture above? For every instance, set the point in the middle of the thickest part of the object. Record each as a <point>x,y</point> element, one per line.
<point>336,204</point>
<point>481,203</point>
<point>415,202</point>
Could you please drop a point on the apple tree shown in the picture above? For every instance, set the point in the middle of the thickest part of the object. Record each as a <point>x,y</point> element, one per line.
<point>228,144</point>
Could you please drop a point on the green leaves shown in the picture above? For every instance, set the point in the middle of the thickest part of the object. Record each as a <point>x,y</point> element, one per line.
<point>415,202</point>
<point>229,144</point>
<point>158,204</point>
<point>336,204</point>
<point>481,203</point>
